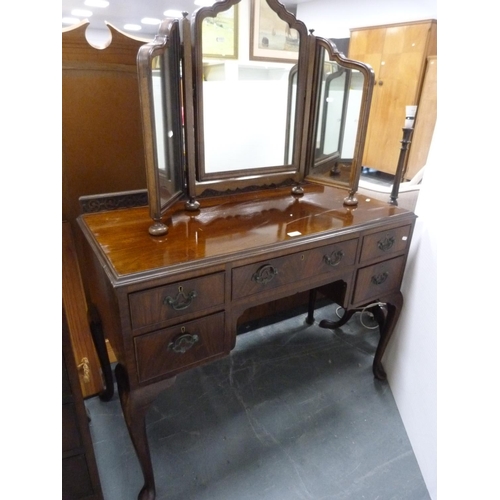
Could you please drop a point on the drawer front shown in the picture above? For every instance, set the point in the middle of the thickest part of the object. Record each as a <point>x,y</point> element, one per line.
<point>172,301</point>
<point>334,257</point>
<point>385,243</point>
<point>266,275</point>
<point>374,281</point>
<point>282,271</point>
<point>168,351</point>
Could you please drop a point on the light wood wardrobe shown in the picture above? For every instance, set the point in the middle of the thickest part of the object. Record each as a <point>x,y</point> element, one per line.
<point>398,54</point>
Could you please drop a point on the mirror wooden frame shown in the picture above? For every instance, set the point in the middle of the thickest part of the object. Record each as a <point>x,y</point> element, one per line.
<point>179,41</point>
<point>161,192</point>
<point>323,45</point>
<point>266,175</point>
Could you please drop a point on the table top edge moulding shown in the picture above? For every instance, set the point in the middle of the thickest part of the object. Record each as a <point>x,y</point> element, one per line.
<point>222,223</point>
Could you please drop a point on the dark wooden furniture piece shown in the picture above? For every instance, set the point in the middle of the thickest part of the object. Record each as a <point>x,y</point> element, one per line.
<point>84,323</point>
<point>228,230</point>
<point>102,146</point>
<point>80,478</point>
<point>171,303</point>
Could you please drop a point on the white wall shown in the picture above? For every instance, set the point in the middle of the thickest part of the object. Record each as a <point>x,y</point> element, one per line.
<point>411,357</point>
<point>334,18</point>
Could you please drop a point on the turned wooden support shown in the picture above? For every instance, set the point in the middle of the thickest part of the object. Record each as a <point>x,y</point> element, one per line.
<point>405,145</point>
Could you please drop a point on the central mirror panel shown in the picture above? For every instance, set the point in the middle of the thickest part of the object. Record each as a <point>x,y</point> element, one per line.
<point>242,84</point>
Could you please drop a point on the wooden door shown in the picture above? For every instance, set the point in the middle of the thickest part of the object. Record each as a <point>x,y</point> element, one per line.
<point>425,121</point>
<point>75,304</point>
<point>397,55</point>
<point>80,476</point>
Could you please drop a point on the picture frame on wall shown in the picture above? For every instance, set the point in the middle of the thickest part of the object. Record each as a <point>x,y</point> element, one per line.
<point>271,38</point>
<point>220,35</point>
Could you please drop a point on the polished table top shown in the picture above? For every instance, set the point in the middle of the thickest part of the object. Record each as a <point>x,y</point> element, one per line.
<point>228,224</point>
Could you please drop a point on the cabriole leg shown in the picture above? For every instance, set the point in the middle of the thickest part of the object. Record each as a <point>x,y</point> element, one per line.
<point>387,321</point>
<point>135,404</point>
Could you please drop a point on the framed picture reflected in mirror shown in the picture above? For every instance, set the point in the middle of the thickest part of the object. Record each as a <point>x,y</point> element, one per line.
<point>271,38</point>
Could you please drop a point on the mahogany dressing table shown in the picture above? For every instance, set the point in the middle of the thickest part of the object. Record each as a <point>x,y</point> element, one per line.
<point>170,294</point>
<point>170,304</point>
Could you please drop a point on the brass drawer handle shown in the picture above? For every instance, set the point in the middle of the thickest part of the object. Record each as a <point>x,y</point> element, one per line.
<point>183,343</point>
<point>265,274</point>
<point>182,301</point>
<point>380,278</point>
<point>334,258</point>
<point>386,243</point>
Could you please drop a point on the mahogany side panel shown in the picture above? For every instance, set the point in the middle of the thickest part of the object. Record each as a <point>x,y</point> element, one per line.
<point>102,142</point>
<point>102,145</point>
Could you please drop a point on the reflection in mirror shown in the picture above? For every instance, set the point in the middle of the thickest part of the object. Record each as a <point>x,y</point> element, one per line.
<point>167,140</point>
<point>249,99</point>
<point>351,122</point>
<point>331,104</point>
<point>291,104</point>
<point>343,95</point>
<point>160,94</point>
<point>242,120</point>
<point>339,107</point>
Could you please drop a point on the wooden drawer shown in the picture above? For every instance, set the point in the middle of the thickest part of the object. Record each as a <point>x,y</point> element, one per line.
<point>336,256</point>
<point>159,304</point>
<point>273,273</point>
<point>168,351</point>
<point>385,243</point>
<point>375,281</point>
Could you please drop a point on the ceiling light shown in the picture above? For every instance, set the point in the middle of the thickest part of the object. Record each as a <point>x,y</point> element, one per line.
<point>81,13</point>
<point>96,3</point>
<point>70,20</point>
<point>132,27</point>
<point>173,13</point>
<point>150,20</point>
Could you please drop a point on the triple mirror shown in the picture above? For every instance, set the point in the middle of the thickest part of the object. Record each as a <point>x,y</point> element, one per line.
<point>241,96</point>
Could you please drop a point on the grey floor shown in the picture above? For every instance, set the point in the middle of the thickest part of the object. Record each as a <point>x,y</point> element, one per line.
<point>377,177</point>
<point>293,413</point>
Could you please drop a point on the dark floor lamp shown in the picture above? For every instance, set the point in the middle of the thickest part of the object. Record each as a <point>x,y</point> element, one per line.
<point>411,111</point>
